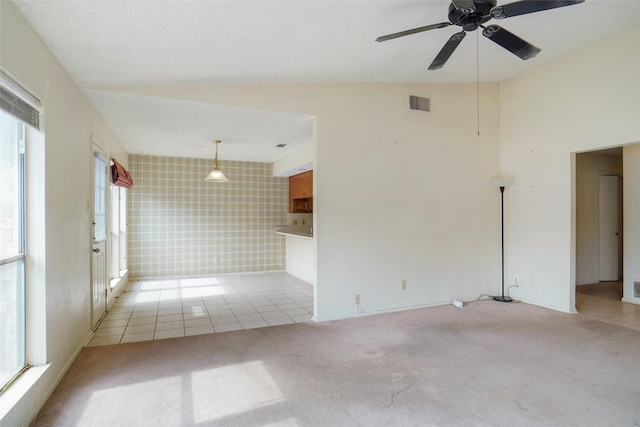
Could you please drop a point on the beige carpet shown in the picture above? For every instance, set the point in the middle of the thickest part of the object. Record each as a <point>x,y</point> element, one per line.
<point>487,364</point>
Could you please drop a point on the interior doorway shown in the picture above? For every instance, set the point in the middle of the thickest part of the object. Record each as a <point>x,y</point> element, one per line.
<point>599,217</point>
<point>609,228</point>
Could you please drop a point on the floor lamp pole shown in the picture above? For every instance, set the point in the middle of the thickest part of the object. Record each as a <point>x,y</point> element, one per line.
<point>502,298</point>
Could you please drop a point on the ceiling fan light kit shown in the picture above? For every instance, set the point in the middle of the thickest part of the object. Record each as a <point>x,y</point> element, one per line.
<point>473,14</point>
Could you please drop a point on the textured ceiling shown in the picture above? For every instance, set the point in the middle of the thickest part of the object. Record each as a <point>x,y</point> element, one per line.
<point>166,127</point>
<point>108,43</point>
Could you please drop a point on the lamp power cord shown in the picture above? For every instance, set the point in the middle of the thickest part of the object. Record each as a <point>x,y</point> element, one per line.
<point>491,296</point>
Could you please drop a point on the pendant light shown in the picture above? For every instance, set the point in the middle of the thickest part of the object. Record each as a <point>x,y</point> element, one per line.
<point>216,174</point>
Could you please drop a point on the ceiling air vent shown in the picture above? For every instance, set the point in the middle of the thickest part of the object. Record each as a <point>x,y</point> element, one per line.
<point>418,103</point>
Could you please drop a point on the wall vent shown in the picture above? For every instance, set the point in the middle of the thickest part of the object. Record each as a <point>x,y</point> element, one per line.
<point>419,103</point>
<point>636,289</point>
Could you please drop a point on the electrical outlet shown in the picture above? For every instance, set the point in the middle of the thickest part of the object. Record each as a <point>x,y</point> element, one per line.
<point>356,299</point>
<point>532,280</point>
<point>294,221</point>
<point>303,221</point>
<point>515,280</point>
<point>404,285</point>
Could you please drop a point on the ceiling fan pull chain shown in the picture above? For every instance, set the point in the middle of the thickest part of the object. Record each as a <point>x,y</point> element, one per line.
<point>478,77</point>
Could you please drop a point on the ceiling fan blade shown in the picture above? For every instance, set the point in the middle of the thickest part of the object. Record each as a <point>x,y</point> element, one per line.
<point>529,6</point>
<point>413,31</point>
<point>447,50</point>
<point>467,6</point>
<point>511,42</point>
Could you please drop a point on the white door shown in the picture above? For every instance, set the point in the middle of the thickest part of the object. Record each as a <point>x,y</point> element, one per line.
<point>99,233</point>
<point>609,228</point>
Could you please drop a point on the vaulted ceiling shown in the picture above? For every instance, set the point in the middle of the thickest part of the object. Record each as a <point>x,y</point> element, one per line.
<point>109,43</point>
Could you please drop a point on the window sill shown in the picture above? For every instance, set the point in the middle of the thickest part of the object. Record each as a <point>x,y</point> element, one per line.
<point>20,388</point>
<point>123,277</point>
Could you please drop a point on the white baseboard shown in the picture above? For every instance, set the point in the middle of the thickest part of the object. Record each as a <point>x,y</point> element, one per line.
<point>549,306</point>
<point>45,396</point>
<point>387,310</point>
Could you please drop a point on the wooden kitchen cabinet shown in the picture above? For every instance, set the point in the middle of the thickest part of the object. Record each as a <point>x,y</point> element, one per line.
<point>300,187</point>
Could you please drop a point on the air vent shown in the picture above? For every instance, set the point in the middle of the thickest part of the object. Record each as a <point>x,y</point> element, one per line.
<point>418,103</point>
<point>281,145</point>
<point>636,289</point>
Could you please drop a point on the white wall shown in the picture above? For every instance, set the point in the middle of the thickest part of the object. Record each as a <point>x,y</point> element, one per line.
<point>589,167</point>
<point>586,100</point>
<point>399,194</point>
<point>301,258</point>
<point>64,253</point>
<point>303,156</point>
<point>631,242</point>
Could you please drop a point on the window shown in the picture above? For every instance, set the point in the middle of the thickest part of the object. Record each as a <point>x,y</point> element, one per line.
<point>118,233</point>
<point>12,247</point>
<point>20,115</point>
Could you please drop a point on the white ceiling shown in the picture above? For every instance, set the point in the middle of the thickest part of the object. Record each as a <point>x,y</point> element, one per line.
<point>109,43</point>
<point>168,127</point>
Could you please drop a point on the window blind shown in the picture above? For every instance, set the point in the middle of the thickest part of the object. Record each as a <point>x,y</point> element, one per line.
<point>99,203</point>
<point>18,102</point>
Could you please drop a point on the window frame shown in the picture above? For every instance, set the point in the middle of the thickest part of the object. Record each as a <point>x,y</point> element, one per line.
<point>28,110</point>
<point>118,234</point>
<point>19,258</point>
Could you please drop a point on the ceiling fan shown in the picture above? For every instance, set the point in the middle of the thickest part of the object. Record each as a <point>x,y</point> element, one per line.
<point>473,14</point>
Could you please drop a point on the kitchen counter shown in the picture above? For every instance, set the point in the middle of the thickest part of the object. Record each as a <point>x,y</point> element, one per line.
<point>295,231</point>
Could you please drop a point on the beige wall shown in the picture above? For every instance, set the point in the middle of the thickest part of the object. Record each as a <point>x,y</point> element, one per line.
<point>399,194</point>
<point>631,236</point>
<point>59,231</point>
<point>587,100</point>
<point>181,225</point>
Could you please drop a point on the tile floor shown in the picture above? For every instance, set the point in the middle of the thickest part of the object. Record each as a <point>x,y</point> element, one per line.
<point>168,308</point>
<point>601,301</point>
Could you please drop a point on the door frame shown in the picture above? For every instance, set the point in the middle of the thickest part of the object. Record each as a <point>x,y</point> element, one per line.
<point>96,318</point>
<point>575,230</point>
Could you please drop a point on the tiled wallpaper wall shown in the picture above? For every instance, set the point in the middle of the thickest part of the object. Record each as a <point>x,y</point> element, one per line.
<point>181,225</point>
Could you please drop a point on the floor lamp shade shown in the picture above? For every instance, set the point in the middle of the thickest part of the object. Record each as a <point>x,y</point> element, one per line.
<point>502,182</point>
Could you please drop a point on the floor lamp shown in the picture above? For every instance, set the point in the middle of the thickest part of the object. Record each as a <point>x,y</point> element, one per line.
<point>502,184</point>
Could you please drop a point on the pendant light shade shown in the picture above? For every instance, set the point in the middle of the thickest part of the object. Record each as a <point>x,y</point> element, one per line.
<point>216,174</point>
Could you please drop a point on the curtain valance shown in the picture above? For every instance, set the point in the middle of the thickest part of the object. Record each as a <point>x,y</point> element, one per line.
<point>120,176</point>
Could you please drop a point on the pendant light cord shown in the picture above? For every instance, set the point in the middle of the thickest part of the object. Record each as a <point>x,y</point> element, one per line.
<point>216,160</point>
